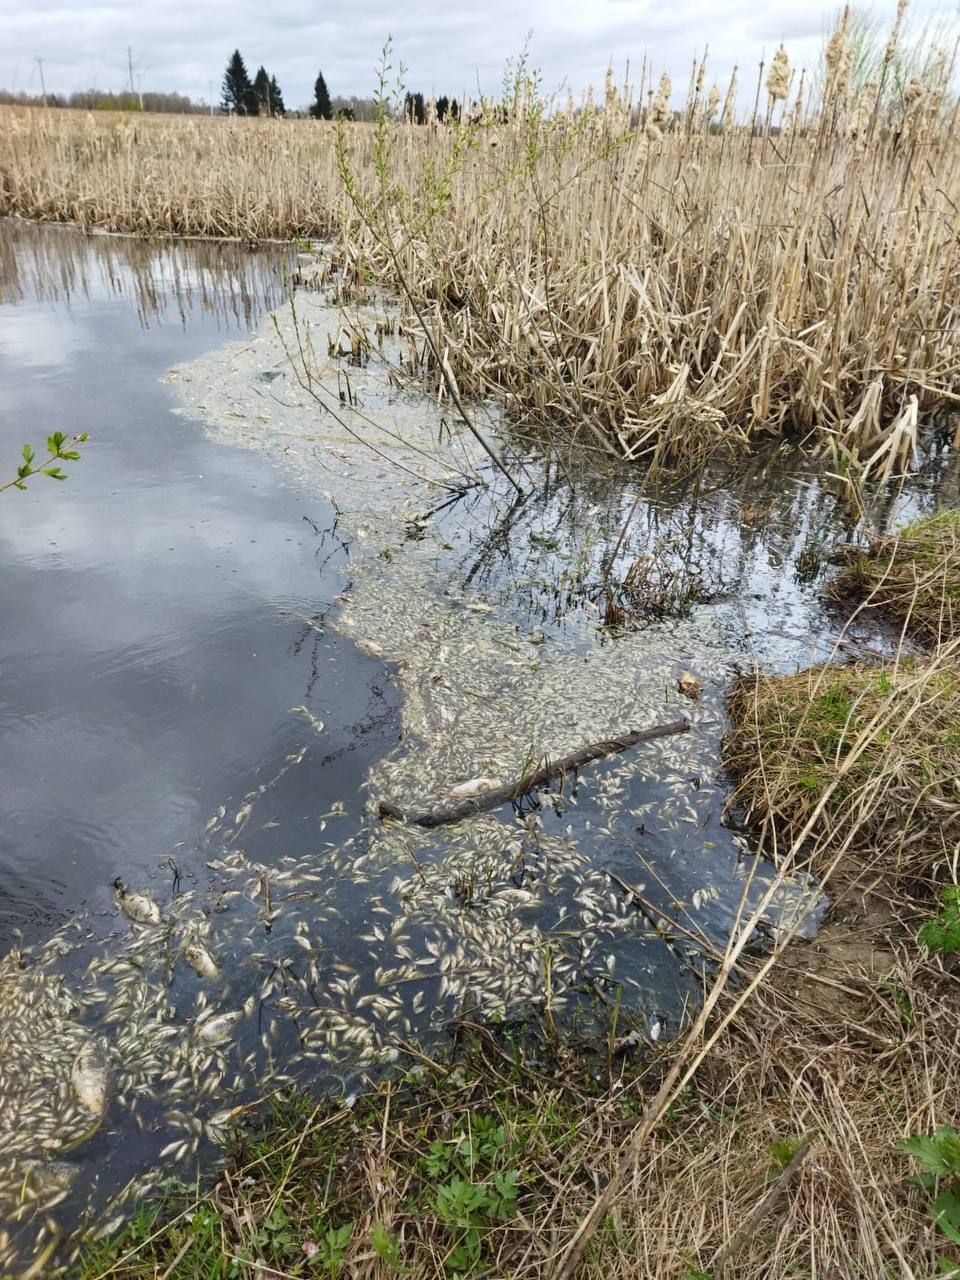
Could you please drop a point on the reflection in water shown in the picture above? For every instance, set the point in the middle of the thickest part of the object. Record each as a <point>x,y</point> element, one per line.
<point>743,533</point>
<point>160,280</point>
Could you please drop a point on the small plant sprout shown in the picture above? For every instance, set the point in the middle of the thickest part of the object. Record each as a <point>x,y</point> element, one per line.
<point>942,933</point>
<point>60,448</point>
<point>939,1158</point>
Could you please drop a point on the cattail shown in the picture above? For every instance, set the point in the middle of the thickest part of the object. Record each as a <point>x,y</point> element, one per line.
<point>652,133</point>
<point>713,102</point>
<point>571,104</point>
<point>609,89</point>
<point>778,78</point>
<point>937,81</point>
<point>891,49</point>
<point>912,93</point>
<point>729,117</point>
<point>795,119</point>
<point>659,108</point>
<point>701,72</point>
<point>431,112</point>
<point>863,111</point>
<point>839,59</point>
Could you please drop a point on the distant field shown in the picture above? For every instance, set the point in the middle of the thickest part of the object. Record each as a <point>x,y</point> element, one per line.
<point>671,280</point>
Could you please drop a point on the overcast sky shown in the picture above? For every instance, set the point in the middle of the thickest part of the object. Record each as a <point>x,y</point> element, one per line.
<point>183,45</point>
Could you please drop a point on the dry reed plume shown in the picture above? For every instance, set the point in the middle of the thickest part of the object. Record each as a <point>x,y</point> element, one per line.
<point>643,278</point>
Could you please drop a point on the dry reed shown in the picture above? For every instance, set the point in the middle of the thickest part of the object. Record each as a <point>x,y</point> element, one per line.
<point>642,278</point>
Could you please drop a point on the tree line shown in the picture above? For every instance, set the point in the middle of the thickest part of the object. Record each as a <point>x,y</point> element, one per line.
<point>106,100</point>
<point>417,109</point>
<point>242,96</point>
<point>261,96</point>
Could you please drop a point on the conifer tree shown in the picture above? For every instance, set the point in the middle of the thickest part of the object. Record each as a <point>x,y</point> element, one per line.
<point>236,85</point>
<point>276,98</point>
<point>320,107</point>
<point>261,92</point>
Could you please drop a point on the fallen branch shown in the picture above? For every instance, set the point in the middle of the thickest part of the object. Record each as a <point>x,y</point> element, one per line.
<point>513,791</point>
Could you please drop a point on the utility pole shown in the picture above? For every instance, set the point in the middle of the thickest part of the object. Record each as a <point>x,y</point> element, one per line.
<point>134,93</point>
<point>43,87</point>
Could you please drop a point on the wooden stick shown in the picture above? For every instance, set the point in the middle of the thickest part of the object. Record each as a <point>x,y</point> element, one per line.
<point>513,791</point>
<point>760,1210</point>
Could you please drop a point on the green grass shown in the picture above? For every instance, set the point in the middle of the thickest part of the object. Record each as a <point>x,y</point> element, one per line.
<point>429,1171</point>
<point>913,578</point>
<point>870,754</point>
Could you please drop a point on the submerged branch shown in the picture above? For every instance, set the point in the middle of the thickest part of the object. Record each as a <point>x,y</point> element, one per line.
<point>513,791</point>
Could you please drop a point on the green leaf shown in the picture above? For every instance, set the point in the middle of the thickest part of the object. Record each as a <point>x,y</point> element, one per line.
<point>945,1211</point>
<point>943,932</point>
<point>939,1153</point>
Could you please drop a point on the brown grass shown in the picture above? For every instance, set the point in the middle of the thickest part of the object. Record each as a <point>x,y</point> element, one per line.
<point>912,577</point>
<point>248,179</point>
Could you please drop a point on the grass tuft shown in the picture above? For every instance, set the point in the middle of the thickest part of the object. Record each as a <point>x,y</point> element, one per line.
<point>860,757</point>
<point>913,577</point>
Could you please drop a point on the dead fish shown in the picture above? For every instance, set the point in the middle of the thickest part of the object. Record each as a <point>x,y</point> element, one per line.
<point>200,960</point>
<point>475,787</point>
<point>90,1080</point>
<point>690,686</point>
<point>217,1029</point>
<point>370,647</point>
<point>138,907</point>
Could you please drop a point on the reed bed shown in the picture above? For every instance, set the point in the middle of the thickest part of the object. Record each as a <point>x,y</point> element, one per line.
<point>660,279</point>
<point>153,175</point>
<point>912,577</point>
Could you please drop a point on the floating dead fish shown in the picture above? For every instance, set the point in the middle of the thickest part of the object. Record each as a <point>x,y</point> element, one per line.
<point>218,1028</point>
<point>475,787</point>
<point>138,907</point>
<point>371,648</point>
<point>690,686</point>
<point>90,1080</point>
<point>308,715</point>
<point>200,960</point>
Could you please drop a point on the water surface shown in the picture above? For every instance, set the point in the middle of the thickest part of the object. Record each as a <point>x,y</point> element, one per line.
<point>164,608</point>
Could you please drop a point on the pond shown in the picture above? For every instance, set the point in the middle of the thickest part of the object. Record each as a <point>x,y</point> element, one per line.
<point>272,593</point>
